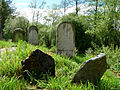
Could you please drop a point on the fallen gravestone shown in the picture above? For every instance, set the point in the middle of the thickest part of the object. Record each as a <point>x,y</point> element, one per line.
<point>91,70</point>
<point>33,35</point>
<point>18,34</point>
<point>65,43</point>
<point>39,65</point>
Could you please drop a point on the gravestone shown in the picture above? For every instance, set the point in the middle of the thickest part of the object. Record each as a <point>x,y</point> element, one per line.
<point>91,70</point>
<point>65,42</point>
<point>18,34</point>
<point>33,35</point>
<point>39,65</point>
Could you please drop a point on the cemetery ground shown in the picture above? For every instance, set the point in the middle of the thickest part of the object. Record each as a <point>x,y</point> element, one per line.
<point>65,69</point>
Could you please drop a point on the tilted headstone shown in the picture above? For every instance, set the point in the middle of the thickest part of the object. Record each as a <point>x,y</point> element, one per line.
<point>65,42</point>
<point>39,65</point>
<point>91,70</point>
<point>18,34</point>
<point>33,35</point>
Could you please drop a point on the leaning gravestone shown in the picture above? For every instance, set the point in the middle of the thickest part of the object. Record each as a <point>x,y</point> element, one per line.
<point>39,65</point>
<point>91,70</point>
<point>18,34</point>
<point>33,35</point>
<point>65,43</point>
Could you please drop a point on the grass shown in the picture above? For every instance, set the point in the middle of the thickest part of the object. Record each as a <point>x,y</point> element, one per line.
<point>11,79</point>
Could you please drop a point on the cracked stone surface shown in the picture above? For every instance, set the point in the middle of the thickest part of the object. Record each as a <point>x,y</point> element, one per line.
<point>38,64</point>
<point>91,70</point>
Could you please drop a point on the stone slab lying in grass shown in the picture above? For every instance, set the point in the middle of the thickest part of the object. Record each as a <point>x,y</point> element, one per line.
<point>91,70</point>
<point>39,65</point>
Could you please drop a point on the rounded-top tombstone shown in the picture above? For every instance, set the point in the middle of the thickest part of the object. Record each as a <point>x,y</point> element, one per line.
<point>65,39</point>
<point>33,35</point>
<point>18,34</point>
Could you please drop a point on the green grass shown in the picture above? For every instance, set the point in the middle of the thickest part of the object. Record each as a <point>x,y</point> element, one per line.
<point>113,55</point>
<point>11,79</point>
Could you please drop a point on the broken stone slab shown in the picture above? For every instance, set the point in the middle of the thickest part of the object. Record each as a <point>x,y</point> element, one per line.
<point>39,65</point>
<point>91,70</point>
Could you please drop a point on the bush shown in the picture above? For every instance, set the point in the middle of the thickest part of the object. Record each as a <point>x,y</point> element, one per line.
<point>47,36</point>
<point>112,54</point>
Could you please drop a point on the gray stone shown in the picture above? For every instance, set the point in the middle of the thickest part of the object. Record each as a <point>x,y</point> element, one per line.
<point>91,70</point>
<point>18,34</point>
<point>65,39</point>
<point>33,35</point>
<point>39,65</point>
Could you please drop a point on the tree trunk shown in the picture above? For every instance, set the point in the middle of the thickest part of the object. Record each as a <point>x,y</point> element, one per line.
<point>96,10</point>
<point>76,7</point>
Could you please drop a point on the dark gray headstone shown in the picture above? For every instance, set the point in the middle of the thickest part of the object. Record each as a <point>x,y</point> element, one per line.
<point>91,70</point>
<point>39,65</point>
<point>18,34</point>
<point>33,35</point>
<point>65,39</point>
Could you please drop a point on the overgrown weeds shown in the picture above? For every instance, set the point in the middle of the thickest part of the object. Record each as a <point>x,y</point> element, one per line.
<point>10,69</point>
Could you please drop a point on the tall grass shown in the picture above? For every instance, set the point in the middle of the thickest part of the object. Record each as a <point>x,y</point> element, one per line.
<point>113,55</point>
<point>65,68</point>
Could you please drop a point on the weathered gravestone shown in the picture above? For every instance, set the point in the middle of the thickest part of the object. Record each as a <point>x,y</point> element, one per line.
<point>33,35</point>
<point>65,43</point>
<point>39,65</point>
<point>91,70</point>
<point>18,34</point>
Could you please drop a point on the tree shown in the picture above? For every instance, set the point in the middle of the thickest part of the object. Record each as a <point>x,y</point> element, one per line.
<point>51,21</point>
<point>103,22</point>
<point>65,4</point>
<point>35,5</point>
<point>76,3</point>
<point>5,11</point>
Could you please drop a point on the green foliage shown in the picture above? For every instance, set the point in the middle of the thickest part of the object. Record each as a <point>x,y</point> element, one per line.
<point>112,54</point>
<point>5,11</point>
<point>103,23</point>
<point>82,40</point>
<point>13,23</point>
<point>10,70</point>
<point>47,33</point>
<point>7,83</point>
<point>47,36</point>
